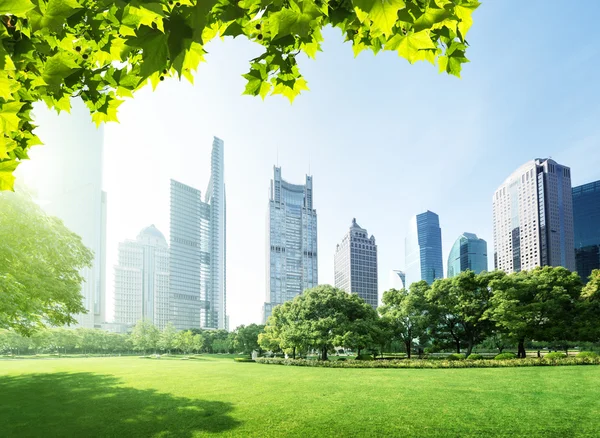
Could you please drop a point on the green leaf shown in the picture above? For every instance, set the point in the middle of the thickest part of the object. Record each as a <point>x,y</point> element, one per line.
<point>431,18</point>
<point>6,62</point>
<point>292,21</point>
<point>464,12</point>
<point>15,7</point>
<point>382,13</point>
<point>58,67</point>
<point>413,46</point>
<point>6,145</point>
<point>55,14</point>
<point>9,121</point>
<point>7,179</point>
<point>155,53</point>
<point>7,86</point>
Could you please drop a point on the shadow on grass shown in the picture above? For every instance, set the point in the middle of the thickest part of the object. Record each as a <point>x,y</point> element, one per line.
<point>95,405</point>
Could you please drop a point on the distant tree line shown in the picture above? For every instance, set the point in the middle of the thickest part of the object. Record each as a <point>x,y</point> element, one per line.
<point>546,305</point>
<point>145,337</point>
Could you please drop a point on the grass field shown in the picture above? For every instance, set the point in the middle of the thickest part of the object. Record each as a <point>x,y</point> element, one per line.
<point>133,397</point>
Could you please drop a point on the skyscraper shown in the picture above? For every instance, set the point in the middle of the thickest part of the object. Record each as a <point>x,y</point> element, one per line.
<point>586,221</point>
<point>197,251</point>
<point>291,241</point>
<point>469,252</point>
<point>142,279</point>
<point>355,264</point>
<point>423,249</point>
<point>65,177</point>
<point>397,280</point>
<point>533,218</point>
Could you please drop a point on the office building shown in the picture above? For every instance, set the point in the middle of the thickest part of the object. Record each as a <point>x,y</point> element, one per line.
<point>469,252</point>
<point>65,179</point>
<point>586,224</point>
<point>291,241</point>
<point>355,264</point>
<point>423,249</point>
<point>397,280</point>
<point>197,251</point>
<point>533,218</point>
<point>142,279</point>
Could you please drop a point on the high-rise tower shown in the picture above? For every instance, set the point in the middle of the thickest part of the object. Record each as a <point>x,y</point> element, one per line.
<point>586,224</point>
<point>198,254</point>
<point>469,252</point>
<point>423,249</point>
<point>291,241</point>
<point>142,279</point>
<point>355,264</point>
<point>533,218</point>
<point>65,177</point>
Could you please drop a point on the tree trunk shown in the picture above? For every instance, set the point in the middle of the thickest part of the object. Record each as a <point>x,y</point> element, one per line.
<point>358,352</point>
<point>407,344</point>
<point>294,353</point>
<point>324,357</point>
<point>521,349</point>
<point>457,346</point>
<point>469,347</point>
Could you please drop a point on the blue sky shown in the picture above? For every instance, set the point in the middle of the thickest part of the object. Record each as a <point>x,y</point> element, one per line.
<point>384,140</point>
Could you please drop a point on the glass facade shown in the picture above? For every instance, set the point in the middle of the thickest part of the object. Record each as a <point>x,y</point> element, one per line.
<point>469,252</point>
<point>198,254</point>
<point>142,279</point>
<point>355,264</point>
<point>533,218</point>
<point>291,241</point>
<point>423,249</point>
<point>586,220</point>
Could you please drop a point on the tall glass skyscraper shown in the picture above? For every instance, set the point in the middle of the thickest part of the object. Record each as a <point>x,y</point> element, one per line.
<point>533,218</point>
<point>586,221</point>
<point>355,264</point>
<point>423,249</point>
<point>291,241</point>
<point>197,251</point>
<point>142,279</point>
<point>65,177</point>
<point>469,252</point>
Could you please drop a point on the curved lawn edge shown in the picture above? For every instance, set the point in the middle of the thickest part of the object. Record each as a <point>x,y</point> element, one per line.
<point>424,363</point>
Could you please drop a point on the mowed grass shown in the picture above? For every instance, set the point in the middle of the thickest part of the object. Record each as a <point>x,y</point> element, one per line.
<point>133,397</point>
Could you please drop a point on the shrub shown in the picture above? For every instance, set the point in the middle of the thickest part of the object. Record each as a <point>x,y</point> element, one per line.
<point>589,354</point>
<point>418,363</point>
<point>456,356</point>
<point>243,359</point>
<point>475,356</point>
<point>364,357</point>
<point>505,356</point>
<point>555,355</point>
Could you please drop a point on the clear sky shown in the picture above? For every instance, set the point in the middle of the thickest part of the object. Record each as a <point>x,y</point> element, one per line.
<point>384,140</point>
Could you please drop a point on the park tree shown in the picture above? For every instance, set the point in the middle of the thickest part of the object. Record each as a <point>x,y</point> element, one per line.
<point>588,307</point>
<point>145,336</point>
<point>104,50</point>
<point>40,280</point>
<point>285,330</point>
<point>184,341</point>
<point>460,307</point>
<point>405,313</point>
<point>327,316</point>
<point>246,338</point>
<point>197,343</point>
<point>167,337</point>
<point>540,304</point>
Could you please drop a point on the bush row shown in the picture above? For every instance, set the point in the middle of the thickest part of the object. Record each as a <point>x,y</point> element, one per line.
<point>244,359</point>
<point>424,363</point>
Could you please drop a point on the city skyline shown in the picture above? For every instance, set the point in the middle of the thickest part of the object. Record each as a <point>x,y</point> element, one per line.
<point>511,104</point>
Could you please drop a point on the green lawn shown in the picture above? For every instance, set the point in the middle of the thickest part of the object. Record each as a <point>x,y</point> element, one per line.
<point>132,397</point>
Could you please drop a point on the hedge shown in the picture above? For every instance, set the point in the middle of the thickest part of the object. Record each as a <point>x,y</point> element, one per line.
<point>423,363</point>
<point>245,359</point>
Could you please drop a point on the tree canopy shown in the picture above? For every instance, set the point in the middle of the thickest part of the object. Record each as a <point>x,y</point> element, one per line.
<point>40,263</point>
<point>104,50</point>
